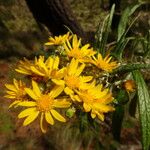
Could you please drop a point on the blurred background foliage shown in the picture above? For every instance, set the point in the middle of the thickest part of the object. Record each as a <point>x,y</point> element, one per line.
<point>20,36</point>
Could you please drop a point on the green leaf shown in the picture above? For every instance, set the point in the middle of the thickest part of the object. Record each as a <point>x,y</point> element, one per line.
<point>131,67</point>
<point>146,44</point>
<point>124,19</point>
<point>117,122</point>
<point>118,52</point>
<point>103,35</point>
<point>144,108</point>
<point>122,97</point>
<point>133,106</point>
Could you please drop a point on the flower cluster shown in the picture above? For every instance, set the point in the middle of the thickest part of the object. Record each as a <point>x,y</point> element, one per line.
<point>62,82</point>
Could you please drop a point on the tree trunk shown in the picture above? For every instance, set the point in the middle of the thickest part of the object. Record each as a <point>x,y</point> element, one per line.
<point>55,15</point>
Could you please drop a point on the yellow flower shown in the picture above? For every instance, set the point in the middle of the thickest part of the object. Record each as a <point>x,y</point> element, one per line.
<point>15,91</point>
<point>58,40</point>
<point>72,78</point>
<point>75,50</point>
<point>49,68</point>
<point>96,100</point>
<point>24,67</point>
<point>129,85</point>
<point>46,69</point>
<point>105,63</point>
<point>43,105</point>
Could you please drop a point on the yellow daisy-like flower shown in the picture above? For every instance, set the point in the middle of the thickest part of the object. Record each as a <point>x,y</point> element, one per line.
<point>105,63</point>
<point>49,68</point>
<point>43,105</point>
<point>129,85</point>
<point>15,91</point>
<point>75,50</point>
<point>58,40</point>
<point>41,67</point>
<point>72,78</point>
<point>96,100</point>
<point>24,67</point>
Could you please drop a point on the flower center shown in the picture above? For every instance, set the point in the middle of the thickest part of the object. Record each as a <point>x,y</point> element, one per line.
<point>87,98</point>
<point>44,103</point>
<point>72,81</point>
<point>75,53</point>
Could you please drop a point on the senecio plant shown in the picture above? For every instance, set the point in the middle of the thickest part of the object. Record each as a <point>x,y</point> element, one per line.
<point>73,80</point>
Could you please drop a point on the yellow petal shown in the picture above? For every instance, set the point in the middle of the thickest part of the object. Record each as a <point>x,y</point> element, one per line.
<point>14,103</point>
<point>49,43</point>
<point>11,93</point>
<point>49,63</point>
<point>75,98</point>
<point>22,71</point>
<point>93,115</point>
<point>27,103</point>
<point>31,118</point>
<point>100,116</point>
<point>49,118</point>
<point>27,112</point>
<point>56,91</point>
<point>10,96</point>
<point>68,91</point>
<point>73,67</point>
<point>16,84</point>
<point>34,70</point>
<point>86,78</point>
<point>41,123</point>
<point>100,107</point>
<point>86,107</point>
<point>56,63</point>
<point>59,82</point>
<point>57,116</point>
<point>11,87</point>
<point>59,103</point>
<point>80,69</point>
<point>31,93</point>
<point>36,88</point>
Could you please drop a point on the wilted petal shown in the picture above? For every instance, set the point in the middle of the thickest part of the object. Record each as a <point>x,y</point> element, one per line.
<point>41,123</point>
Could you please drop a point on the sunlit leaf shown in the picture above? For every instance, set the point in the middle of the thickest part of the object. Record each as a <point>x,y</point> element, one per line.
<point>144,108</point>
<point>124,19</point>
<point>103,35</point>
<point>131,67</point>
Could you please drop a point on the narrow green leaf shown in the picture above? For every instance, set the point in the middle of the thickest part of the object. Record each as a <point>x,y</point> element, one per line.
<point>122,97</point>
<point>133,106</point>
<point>147,44</point>
<point>122,42</point>
<point>117,122</point>
<point>124,19</point>
<point>144,108</point>
<point>120,48</point>
<point>131,67</point>
<point>105,32</point>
